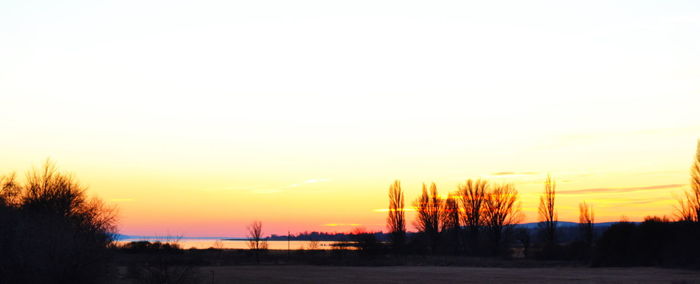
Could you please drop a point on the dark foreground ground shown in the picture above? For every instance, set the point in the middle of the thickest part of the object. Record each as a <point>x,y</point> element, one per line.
<point>437,274</point>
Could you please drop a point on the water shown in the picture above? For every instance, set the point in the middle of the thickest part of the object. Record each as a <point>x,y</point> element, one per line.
<point>237,244</point>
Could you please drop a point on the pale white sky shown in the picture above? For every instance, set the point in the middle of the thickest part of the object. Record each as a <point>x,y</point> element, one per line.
<point>145,97</point>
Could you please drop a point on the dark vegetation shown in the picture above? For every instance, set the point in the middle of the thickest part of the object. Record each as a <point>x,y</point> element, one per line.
<point>256,242</point>
<point>654,242</point>
<point>396,221</point>
<point>322,236</point>
<point>479,220</point>
<point>158,262</point>
<point>50,232</point>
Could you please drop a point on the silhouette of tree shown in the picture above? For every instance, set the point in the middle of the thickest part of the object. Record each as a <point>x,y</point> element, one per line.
<point>396,222</point>
<point>256,242</point>
<point>365,241</point>
<point>313,244</point>
<point>473,194</point>
<point>689,208</point>
<point>428,207</point>
<point>656,241</point>
<point>586,220</point>
<point>9,191</point>
<point>50,230</point>
<point>450,220</point>
<point>523,236</point>
<point>547,212</point>
<point>501,211</point>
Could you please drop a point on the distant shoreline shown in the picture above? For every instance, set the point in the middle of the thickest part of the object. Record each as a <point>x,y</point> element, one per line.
<point>200,238</point>
<point>281,238</point>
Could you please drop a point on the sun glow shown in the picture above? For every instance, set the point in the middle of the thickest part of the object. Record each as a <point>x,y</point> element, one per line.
<point>198,119</point>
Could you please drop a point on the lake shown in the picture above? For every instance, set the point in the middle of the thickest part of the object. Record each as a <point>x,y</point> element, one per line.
<point>235,244</point>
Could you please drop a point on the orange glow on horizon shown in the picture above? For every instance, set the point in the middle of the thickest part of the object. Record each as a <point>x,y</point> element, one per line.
<point>198,117</point>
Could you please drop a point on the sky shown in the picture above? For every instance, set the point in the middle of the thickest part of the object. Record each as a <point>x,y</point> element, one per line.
<point>197,117</point>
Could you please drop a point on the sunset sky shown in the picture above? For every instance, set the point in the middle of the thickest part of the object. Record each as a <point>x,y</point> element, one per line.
<point>197,117</point>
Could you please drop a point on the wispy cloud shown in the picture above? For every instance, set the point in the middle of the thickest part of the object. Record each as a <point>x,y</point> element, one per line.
<point>620,189</point>
<point>643,202</point>
<point>387,209</point>
<point>617,201</point>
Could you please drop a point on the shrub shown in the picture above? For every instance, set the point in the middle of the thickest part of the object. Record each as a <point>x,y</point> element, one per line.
<point>50,232</point>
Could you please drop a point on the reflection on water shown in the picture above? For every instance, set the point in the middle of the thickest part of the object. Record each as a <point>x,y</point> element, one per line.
<point>238,244</point>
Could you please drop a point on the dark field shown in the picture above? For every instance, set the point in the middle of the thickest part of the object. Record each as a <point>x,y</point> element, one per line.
<point>437,274</point>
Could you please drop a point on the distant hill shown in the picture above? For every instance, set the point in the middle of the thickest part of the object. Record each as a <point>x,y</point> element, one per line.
<point>563,224</point>
<point>120,237</point>
<point>323,236</point>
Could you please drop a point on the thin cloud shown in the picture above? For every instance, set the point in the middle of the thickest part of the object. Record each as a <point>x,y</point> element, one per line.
<point>387,209</point>
<point>643,202</point>
<point>619,189</point>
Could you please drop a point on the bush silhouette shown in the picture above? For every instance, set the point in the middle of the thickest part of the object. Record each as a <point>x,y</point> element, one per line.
<point>656,241</point>
<point>50,232</point>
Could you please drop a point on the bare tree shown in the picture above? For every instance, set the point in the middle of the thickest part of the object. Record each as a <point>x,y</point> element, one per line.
<point>217,245</point>
<point>689,208</point>
<point>473,194</point>
<point>428,207</point>
<point>50,229</point>
<point>684,211</point>
<point>256,242</point>
<point>313,244</point>
<point>450,220</point>
<point>48,190</point>
<point>586,220</point>
<point>501,212</point>
<point>523,236</point>
<point>396,222</point>
<point>547,212</point>
<point>9,191</point>
<point>450,212</point>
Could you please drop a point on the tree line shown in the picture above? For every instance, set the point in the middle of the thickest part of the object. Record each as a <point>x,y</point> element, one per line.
<point>476,219</point>
<point>479,218</point>
<point>52,232</point>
